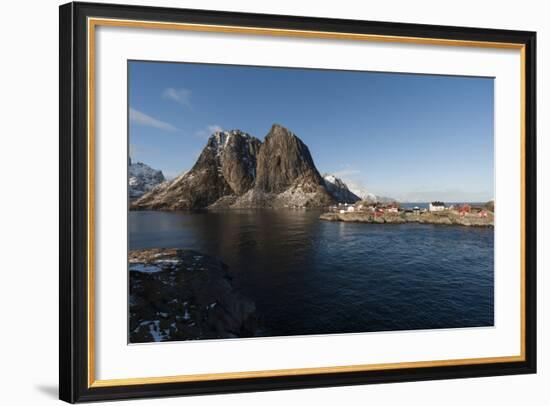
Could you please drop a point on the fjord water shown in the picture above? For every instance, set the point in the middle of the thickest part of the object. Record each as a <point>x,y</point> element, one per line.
<point>309,276</point>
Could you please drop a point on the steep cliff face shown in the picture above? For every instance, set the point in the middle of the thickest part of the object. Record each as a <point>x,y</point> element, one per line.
<point>236,170</point>
<point>237,158</point>
<point>286,175</point>
<point>283,160</point>
<point>226,166</point>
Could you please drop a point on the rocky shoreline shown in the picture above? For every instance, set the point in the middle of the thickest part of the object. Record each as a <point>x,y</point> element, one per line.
<point>443,218</point>
<point>178,294</point>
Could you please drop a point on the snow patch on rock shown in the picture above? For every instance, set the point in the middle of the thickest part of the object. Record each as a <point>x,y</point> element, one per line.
<point>142,178</point>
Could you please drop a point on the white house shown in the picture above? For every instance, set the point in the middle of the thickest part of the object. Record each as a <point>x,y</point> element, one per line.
<point>351,208</point>
<point>436,206</point>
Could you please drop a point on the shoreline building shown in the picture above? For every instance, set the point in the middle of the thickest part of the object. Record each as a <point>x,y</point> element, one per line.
<point>436,206</point>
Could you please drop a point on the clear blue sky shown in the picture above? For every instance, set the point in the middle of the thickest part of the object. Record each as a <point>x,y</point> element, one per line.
<point>410,137</point>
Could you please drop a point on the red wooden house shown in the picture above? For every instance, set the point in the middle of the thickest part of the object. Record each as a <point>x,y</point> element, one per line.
<point>464,209</point>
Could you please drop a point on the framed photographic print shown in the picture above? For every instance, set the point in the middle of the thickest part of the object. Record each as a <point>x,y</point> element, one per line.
<point>255,202</point>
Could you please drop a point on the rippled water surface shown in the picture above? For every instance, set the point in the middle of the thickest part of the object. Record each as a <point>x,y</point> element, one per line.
<point>309,276</point>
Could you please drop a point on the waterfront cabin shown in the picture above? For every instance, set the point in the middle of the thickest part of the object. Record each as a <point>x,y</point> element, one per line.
<point>359,207</point>
<point>436,206</point>
<point>464,209</point>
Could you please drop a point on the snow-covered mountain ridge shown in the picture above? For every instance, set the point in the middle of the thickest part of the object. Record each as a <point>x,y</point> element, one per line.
<point>142,178</point>
<point>351,192</point>
<point>338,188</point>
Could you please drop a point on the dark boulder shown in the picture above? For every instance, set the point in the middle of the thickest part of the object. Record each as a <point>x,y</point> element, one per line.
<point>180,294</point>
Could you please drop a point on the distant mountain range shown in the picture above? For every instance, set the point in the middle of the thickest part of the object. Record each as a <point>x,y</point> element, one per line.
<point>237,170</point>
<point>142,178</point>
<point>349,192</point>
<point>369,197</point>
<point>339,190</point>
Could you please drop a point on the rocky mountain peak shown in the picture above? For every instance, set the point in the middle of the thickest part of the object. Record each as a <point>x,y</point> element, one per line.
<point>226,166</point>
<point>278,130</point>
<point>237,170</point>
<point>283,161</point>
<point>221,139</point>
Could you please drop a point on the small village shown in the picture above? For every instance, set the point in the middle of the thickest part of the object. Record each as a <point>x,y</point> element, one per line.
<point>436,212</point>
<point>379,209</point>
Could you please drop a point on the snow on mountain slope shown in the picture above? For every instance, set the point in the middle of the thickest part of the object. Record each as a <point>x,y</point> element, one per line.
<point>339,190</point>
<point>142,178</point>
<point>365,195</point>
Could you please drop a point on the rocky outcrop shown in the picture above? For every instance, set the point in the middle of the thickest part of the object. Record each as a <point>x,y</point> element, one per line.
<point>142,178</point>
<point>225,167</point>
<point>442,218</point>
<point>236,170</point>
<point>237,156</point>
<point>180,294</point>
<point>286,175</point>
<point>283,161</point>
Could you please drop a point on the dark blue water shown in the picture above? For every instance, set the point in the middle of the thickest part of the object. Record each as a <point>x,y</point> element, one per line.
<point>309,276</point>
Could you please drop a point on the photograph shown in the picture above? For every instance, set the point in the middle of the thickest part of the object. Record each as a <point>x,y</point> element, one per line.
<point>281,201</point>
<point>258,200</point>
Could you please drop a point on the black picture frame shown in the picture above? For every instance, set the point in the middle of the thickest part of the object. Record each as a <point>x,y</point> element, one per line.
<point>74,385</point>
